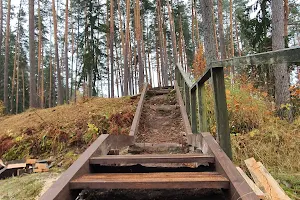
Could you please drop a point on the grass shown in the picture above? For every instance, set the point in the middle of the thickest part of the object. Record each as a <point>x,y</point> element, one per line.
<point>63,130</point>
<point>23,187</point>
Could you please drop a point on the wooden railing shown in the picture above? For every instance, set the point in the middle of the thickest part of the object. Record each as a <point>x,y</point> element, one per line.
<point>194,93</point>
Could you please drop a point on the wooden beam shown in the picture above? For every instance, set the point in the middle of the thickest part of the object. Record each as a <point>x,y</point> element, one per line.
<point>60,189</point>
<point>239,189</point>
<point>161,180</point>
<point>289,55</point>
<point>153,158</point>
<point>265,181</point>
<point>185,76</point>
<point>187,126</point>
<point>138,113</point>
<point>194,111</point>
<point>202,79</point>
<point>221,110</point>
<point>202,109</point>
<point>253,186</point>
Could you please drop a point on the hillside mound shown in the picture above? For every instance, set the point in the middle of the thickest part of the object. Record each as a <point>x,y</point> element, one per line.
<point>65,130</point>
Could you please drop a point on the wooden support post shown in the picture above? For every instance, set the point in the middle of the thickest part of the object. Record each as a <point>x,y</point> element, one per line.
<point>194,110</point>
<point>221,110</point>
<point>187,95</point>
<point>202,110</point>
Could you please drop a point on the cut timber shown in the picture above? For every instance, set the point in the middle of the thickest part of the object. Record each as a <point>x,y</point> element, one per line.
<point>163,180</point>
<point>41,167</point>
<point>265,181</point>
<point>31,161</point>
<point>161,158</point>
<point>254,187</point>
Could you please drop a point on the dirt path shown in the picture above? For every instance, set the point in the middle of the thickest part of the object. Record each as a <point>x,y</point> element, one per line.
<point>161,120</point>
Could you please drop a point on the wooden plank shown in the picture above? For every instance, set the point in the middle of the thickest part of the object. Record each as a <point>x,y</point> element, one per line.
<point>202,79</point>
<point>289,55</point>
<point>60,189</point>
<point>185,76</point>
<point>187,96</point>
<point>138,113</point>
<point>16,165</point>
<point>187,126</point>
<point>239,189</point>
<point>202,109</point>
<point>221,110</point>
<point>159,158</point>
<point>265,181</point>
<point>161,180</point>
<point>254,187</point>
<point>194,111</point>
<point>41,167</point>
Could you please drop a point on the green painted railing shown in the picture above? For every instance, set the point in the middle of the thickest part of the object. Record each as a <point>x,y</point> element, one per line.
<point>193,93</point>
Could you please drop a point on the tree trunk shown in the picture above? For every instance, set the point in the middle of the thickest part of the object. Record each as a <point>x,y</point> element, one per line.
<point>1,31</point>
<point>215,33</point>
<point>59,85</point>
<point>23,90</point>
<point>66,50</point>
<point>180,45</point>
<point>72,61</point>
<point>107,49</point>
<point>50,80</point>
<point>209,41</point>
<point>282,81</point>
<point>17,52</point>
<point>157,63</point>
<point>173,35</point>
<point>221,29</point>
<point>112,48</point>
<point>139,46</point>
<point>17,89</point>
<point>286,17</point>
<point>126,68</point>
<point>161,44</point>
<point>237,38</point>
<point>40,83</point>
<point>7,39</point>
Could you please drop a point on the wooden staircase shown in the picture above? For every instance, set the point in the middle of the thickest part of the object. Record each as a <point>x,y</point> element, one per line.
<point>205,167</point>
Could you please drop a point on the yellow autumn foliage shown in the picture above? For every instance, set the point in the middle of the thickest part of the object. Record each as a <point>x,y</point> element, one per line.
<point>199,63</point>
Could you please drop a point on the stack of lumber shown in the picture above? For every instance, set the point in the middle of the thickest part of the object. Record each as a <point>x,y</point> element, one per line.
<point>264,185</point>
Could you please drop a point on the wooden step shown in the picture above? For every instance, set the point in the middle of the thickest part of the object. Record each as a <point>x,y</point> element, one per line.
<point>158,92</point>
<point>161,180</point>
<point>152,158</point>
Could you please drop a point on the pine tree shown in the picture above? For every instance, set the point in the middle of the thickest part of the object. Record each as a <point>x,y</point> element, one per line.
<point>7,40</point>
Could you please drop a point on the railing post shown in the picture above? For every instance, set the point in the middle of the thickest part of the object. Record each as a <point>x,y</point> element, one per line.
<point>221,110</point>
<point>202,110</point>
<point>187,93</point>
<point>193,110</point>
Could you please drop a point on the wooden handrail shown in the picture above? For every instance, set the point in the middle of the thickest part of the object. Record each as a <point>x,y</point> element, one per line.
<point>193,93</point>
<point>288,55</point>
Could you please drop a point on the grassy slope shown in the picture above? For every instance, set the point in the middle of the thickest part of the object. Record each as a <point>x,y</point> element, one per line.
<point>62,133</point>
<point>64,130</point>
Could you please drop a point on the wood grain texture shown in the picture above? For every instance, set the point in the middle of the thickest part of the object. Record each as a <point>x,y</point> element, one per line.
<point>265,181</point>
